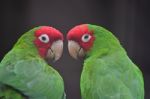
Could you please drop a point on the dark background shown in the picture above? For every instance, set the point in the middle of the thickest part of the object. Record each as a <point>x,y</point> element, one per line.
<point>127,19</point>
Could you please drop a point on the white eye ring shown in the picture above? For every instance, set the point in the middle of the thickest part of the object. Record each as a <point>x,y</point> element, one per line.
<point>44,38</point>
<point>86,37</point>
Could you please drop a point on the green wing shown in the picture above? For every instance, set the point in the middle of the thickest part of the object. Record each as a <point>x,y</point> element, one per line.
<point>7,92</point>
<point>34,78</point>
<point>111,78</point>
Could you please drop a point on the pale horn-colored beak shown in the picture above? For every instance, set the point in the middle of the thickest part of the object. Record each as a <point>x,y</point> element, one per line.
<point>75,50</point>
<point>55,52</point>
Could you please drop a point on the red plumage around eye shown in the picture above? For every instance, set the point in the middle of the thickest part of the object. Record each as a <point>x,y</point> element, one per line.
<point>44,38</point>
<point>42,47</point>
<point>87,45</point>
<point>86,38</point>
<point>82,35</point>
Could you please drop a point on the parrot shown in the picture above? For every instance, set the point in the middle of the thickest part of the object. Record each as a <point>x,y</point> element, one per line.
<point>24,70</point>
<point>108,72</point>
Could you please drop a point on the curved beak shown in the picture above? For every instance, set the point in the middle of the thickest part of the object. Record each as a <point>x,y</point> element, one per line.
<point>55,52</point>
<point>75,50</point>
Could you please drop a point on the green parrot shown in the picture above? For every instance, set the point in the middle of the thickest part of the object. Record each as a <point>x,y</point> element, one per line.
<point>108,72</point>
<point>24,72</point>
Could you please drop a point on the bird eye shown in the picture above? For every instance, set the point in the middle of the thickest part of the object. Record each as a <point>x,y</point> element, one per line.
<point>44,38</point>
<point>86,37</point>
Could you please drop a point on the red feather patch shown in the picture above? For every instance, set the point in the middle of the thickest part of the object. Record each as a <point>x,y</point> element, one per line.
<point>52,35</point>
<point>76,34</point>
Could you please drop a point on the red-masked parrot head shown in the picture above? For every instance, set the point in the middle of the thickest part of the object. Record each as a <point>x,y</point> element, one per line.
<point>80,40</point>
<point>49,42</point>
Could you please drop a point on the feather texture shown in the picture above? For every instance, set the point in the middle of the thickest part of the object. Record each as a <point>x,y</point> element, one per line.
<point>108,73</point>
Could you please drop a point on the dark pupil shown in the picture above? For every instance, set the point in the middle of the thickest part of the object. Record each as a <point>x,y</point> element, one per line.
<point>43,38</point>
<point>86,37</point>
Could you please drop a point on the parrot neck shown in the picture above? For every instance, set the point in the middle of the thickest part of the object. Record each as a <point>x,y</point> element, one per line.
<point>26,51</point>
<point>105,42</point>
<point>25,45</point>
<point>103,49</point>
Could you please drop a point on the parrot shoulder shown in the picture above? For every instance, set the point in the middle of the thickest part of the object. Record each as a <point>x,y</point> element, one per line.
<point>110,79</point>
<point>34,77</point>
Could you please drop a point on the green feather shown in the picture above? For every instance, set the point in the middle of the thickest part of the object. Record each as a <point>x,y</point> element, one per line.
<point>7,92</point>
<point>24,70</point>
<point>108,73</point>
